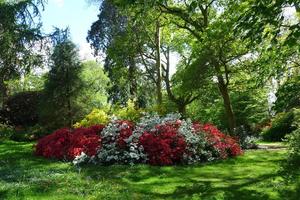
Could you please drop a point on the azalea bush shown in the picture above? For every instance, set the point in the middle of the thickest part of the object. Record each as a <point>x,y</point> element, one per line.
<point>117,145</point>
<point>154,140</point>
<point>66,144</point>
<point>163,146</point>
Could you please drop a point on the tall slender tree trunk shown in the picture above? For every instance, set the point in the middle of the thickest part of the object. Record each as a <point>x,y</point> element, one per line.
<point>223,88</point>
<point>158,64</point>
<point>69,107</point>
<point>132,78</point>
<point>4,93</point>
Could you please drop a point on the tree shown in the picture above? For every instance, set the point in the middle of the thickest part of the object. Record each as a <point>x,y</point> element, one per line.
<point>19,33</point>
<point>94,89</point>
<point>110,35</point>
<point>266,18</point>
<point>63,84</point>
<point>288,95</point>
<point>212,30</point>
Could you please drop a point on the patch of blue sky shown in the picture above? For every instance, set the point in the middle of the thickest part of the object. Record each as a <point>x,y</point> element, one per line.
<point>78,15</point>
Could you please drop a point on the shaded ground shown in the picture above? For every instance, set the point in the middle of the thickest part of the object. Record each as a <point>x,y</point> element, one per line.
<point>252,176</point>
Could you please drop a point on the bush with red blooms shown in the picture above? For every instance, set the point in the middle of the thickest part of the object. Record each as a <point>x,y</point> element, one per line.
<point>66,144</point>
<point>54,145</point>
<point>226,145</point>
<point>163,145</point>
<point>154,140</point>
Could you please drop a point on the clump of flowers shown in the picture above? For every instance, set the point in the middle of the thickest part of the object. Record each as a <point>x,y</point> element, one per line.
<point>116,145</point>
<point>65,144</point>
<point>155,140</point>
<point>163,145</point>
<point>225,145</point>
<point>54,145</point>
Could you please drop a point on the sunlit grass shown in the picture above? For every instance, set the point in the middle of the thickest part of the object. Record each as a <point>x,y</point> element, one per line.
<point>271,143</point>
<point>251,176</point>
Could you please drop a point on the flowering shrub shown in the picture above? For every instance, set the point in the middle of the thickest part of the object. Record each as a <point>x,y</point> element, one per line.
<point>224,144</point>
<point>163,145</point>
<point>116,146</point>
<point>97,116</point>
<point>54,145</point>
<point>154,140</point>
<point>198,149</point>
<point>66,144</point>
<point>85,140</point>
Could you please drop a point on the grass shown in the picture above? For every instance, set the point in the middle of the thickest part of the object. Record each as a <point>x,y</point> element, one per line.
<point>251,176</point>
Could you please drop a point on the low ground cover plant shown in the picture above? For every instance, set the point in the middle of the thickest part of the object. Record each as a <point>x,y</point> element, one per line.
<point>154,140</point>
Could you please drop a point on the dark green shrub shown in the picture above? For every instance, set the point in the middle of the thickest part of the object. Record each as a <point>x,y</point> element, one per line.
<point>281,125</point>
<point>288,95</point>
<point>292,164</point>
<point>29,133</point>
<point>22,108</point>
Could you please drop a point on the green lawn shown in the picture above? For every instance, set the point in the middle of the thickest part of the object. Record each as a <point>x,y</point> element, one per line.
<point>251,176</point>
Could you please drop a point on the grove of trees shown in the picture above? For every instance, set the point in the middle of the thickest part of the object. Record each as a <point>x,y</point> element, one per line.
<point>232,63</point>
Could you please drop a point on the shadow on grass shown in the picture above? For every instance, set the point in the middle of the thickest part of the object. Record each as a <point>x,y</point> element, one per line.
<point>247,177</point>
<point>21,172</point>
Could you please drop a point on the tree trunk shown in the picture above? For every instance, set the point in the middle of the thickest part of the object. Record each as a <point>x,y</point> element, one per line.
<point>223,88</point>
<point>158,64</point>
<point>69,112</point>
<point>132,79</point>
<point>4,93</point>
<point>182,109</point>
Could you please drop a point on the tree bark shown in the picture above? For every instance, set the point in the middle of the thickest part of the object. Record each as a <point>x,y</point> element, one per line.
<point>69,107</point>
<point>132,78</point>
<point>223,88</point>
<point>158,64</point>
<point>4,93</point>
<point>182,109</point>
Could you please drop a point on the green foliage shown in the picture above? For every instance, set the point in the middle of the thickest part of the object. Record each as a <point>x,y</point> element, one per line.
<point>28,82</point>
<point>292,166</point>
<point>6,131</point>
<point>167,107</point>
<point>263,19</point>
<point>21,109</point>
<point>129,112</point>
<point>250,108</point>
<point>209,108</point>
<point>97,116</point>
<point>288,95</point>
<point>59,107</point>
<point>281,125</point>
<point>95,84</point>
<point>19,34</point>
<point>31,133</point>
